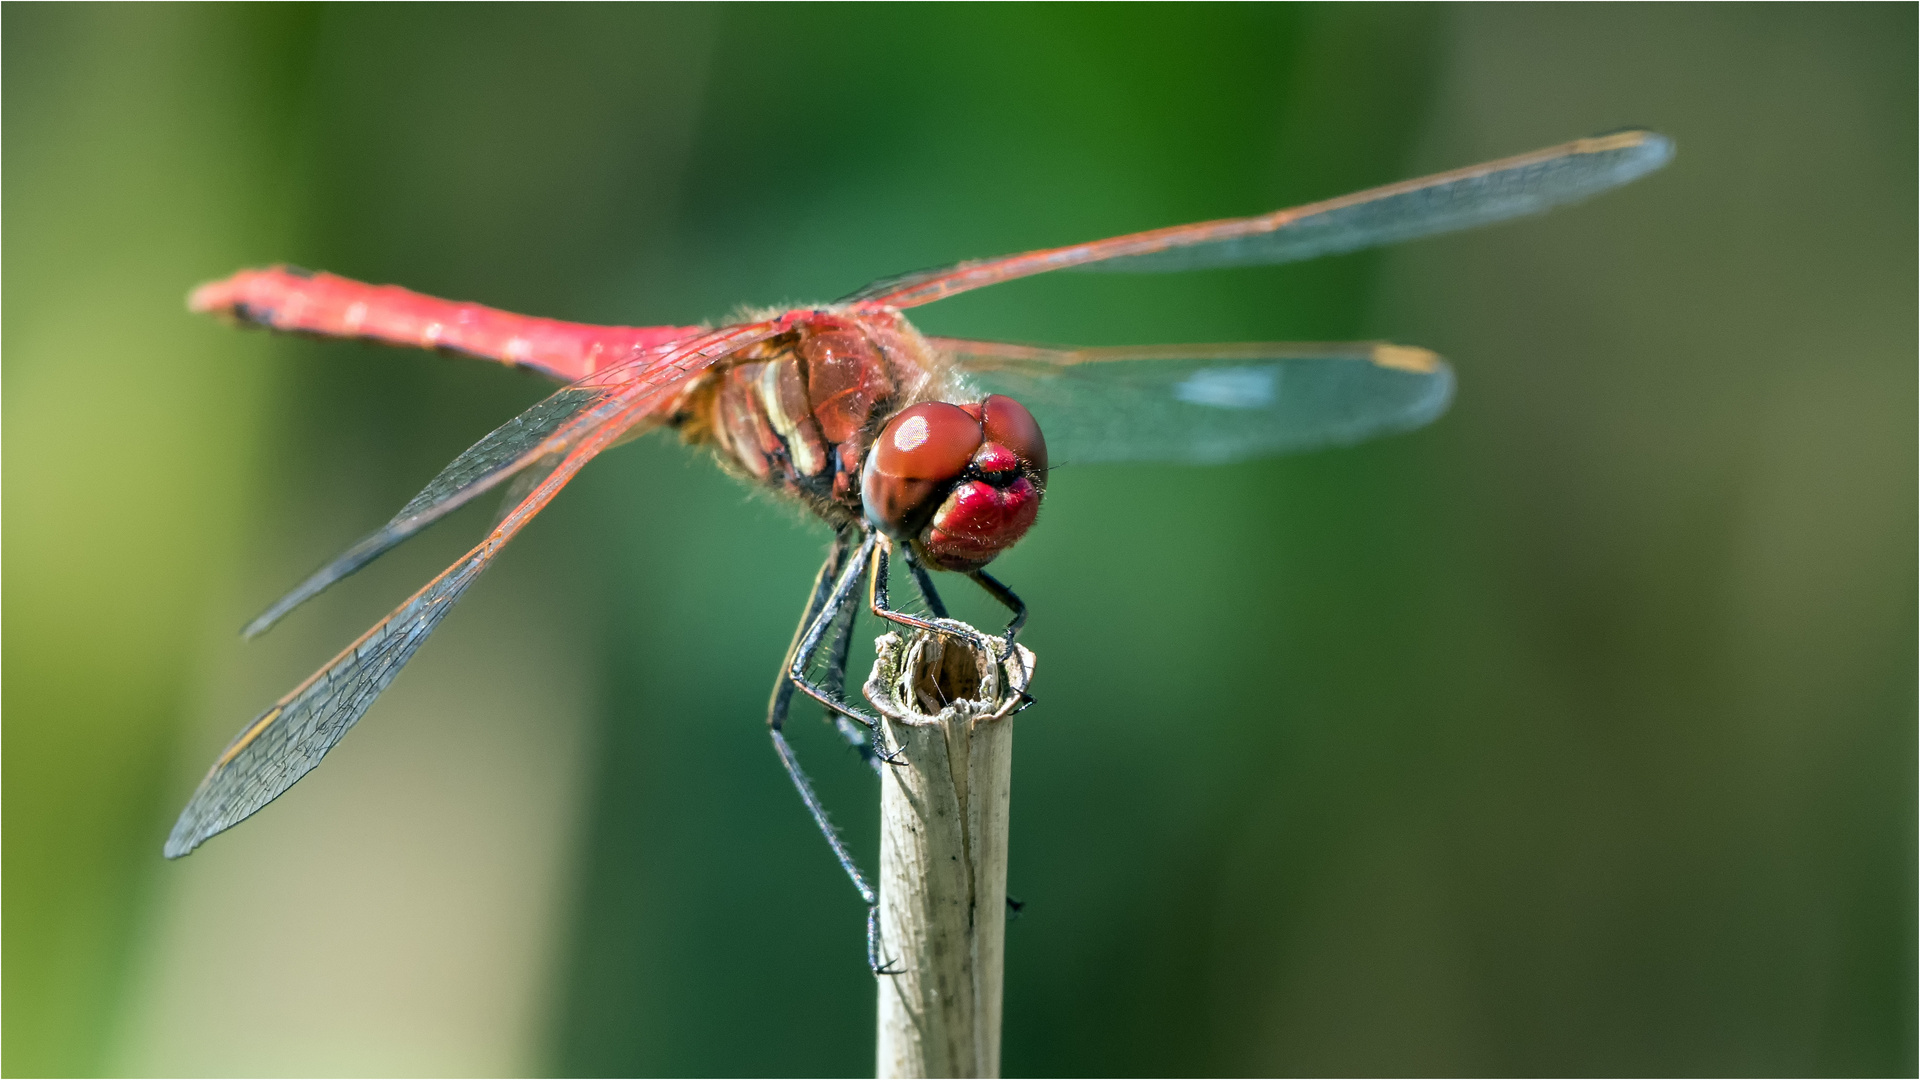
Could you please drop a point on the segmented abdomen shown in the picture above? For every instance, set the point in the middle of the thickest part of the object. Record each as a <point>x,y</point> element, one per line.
<point>290,299</point>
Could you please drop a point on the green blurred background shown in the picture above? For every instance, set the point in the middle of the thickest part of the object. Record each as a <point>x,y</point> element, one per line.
<point>1574,734</point>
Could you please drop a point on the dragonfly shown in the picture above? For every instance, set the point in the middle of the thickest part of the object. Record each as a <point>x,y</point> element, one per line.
<point>921,450</point>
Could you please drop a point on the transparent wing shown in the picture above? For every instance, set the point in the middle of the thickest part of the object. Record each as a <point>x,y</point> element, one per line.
<point>1462,199</point>
<point>285,743</point>
<point>542,433</point>
<point>1209,404</point>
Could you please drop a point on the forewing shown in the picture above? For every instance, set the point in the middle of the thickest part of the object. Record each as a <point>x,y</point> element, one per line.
<point>1462,199</point>
<point>1209,404</point>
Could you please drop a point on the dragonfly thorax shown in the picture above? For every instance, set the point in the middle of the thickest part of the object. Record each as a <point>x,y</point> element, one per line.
<point>844,414</point>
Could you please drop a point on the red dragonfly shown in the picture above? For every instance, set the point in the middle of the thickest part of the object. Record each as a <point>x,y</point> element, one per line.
<point>926,446</point>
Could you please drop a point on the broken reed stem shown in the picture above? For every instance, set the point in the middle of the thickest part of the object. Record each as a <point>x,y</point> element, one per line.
<point>947,707</point>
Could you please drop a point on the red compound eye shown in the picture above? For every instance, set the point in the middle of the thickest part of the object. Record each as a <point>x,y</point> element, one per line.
<point>920,451</point>
<point>1008,423</point>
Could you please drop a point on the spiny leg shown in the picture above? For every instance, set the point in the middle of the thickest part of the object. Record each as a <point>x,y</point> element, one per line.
<point>832,613</point>
<point>837,617</point>
<point>823,611</point>
<point>878,600</point>
<point>924,582</point>
<point>864,740</point>
<point>880,966</point>
<point>1007,599</point>
<point>868,742</point>
<point>782,699</point>
<point>1012,603</point>
<point>809,646</point>
<point>994,588</point>
<point>842,644</point>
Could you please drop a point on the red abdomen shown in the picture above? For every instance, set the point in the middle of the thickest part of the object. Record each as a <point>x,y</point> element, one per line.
<point>286,298</point>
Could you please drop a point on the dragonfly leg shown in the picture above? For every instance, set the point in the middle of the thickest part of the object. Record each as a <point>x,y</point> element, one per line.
<point>875,960</point>
<point>782,699</point>
<point>1013,603</point>
<point>1007,599</point>
<point>842,631</point>
<point>878,600</point>
<point>800,659</point>
<point>866,740</point>
<point>924,582</point>
<point>831,591</point>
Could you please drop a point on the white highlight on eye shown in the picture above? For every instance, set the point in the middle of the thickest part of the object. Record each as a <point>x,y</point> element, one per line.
<point>1230,388</point>
<point>911,433</point>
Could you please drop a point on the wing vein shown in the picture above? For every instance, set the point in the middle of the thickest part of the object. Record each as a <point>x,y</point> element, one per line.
<point>1460,199</point>
<point>290,738</point>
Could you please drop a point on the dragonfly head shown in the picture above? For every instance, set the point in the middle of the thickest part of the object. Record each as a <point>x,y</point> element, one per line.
<point>961,483</point>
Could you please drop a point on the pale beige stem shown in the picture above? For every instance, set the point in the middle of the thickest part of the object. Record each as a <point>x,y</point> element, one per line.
<point>943,851</point>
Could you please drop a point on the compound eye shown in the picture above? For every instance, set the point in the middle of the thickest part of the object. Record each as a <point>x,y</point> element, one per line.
<point>919,451</point>
<point>1008,423</point>
<point>931,441</point>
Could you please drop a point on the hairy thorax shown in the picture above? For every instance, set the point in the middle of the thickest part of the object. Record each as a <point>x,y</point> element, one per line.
<point>797,413</point>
